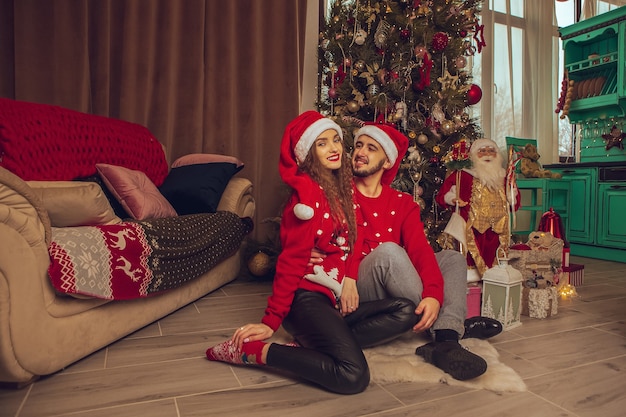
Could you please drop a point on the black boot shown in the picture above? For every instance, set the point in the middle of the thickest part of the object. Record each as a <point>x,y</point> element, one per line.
<point>480,327</point>
<point>453,359</point>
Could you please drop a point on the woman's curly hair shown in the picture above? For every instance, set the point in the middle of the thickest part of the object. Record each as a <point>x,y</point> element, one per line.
<point>338,188</point>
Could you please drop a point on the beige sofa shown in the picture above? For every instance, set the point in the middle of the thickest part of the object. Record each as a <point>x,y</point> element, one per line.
<point>41,331</point>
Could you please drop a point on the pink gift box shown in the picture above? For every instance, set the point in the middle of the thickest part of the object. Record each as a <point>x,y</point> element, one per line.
<point>474,293</point>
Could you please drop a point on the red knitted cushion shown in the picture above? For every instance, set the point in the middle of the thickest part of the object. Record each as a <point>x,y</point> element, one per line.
<point>50,143</point>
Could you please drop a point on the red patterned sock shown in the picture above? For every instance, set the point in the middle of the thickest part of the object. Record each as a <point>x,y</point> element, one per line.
<point>227,351</point>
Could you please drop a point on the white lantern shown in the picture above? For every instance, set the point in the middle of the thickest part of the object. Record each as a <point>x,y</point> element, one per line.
<point>502,294</point>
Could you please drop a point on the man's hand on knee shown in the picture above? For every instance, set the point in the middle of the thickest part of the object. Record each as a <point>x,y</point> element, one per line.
<point>428,309</point>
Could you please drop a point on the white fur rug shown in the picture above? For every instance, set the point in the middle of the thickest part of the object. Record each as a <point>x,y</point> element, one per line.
<point>397,362</point>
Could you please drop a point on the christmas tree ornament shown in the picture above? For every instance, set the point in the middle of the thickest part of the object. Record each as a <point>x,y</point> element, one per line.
<point>353,106</point>
<point>381,34</point>
<point>415,157</point>
<point>448,81</point>
<point>359,65</point>
<point>260,264</point>
<point>448,127</point>
<point>422,139</point>
<point>420,50</point>
<point>440,41</point>
<point>372,91</point>
<point>474,94</point>
<point>359,37</point>
<point>479,37</point>
<point>460,62</point>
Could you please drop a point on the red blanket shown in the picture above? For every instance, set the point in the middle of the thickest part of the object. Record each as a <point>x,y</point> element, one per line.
<point>140,258</point>
<point>51,143</point>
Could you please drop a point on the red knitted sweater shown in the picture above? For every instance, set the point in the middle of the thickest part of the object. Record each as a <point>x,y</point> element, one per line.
<point>50,143</point>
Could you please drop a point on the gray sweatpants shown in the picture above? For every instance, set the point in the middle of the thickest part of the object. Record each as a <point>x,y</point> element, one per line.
<point>388,272</point>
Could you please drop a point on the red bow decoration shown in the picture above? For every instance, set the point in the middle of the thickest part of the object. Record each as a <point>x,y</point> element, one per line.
<point>427,65</point>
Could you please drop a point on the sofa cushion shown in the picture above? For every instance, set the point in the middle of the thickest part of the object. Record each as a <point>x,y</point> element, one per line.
<point>74,203</point>
<point>133,189</point>
<point>197,188</point>
<point>205,158</point>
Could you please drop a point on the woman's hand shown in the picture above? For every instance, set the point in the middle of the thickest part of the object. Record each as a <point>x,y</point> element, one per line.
<point>429,309</point>
<point>349,300</point>
<point>317,257</point>
<point>251,332</point>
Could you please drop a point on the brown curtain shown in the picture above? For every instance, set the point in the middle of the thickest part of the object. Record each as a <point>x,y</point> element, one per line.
<point>203,75</point>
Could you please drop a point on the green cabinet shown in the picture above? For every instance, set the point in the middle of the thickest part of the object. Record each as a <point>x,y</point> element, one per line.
<point>596,223</point>
<point>595,61</point>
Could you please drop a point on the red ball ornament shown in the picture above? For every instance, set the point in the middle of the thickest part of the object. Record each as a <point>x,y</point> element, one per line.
<point>474,94</point>
<point>332,93</point>
<point>440,41</point>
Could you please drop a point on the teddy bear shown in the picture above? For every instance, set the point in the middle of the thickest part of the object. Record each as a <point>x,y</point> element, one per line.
<point>529,164</point>
<point>544,241</point>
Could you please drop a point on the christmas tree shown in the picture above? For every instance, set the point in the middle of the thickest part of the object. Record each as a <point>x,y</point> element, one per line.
<point>406,62</point>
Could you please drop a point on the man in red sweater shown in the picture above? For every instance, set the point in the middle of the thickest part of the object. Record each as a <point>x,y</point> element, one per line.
<point>400,262</point>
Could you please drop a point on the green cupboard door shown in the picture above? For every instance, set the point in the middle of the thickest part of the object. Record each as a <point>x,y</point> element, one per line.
<point>612,206</point>
<point>581,216</point>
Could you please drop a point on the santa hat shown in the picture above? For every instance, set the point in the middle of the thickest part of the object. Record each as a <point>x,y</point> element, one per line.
<point>394,143</point>
<point>299,136</point>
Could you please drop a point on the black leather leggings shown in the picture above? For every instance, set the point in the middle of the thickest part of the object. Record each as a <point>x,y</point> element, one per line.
<point>330,352</point>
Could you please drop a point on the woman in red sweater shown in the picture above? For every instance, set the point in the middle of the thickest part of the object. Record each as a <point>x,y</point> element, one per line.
<point>330,327</point>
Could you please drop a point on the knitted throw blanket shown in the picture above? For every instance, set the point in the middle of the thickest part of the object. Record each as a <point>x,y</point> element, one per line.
<point>141,258</point>
<point>51,143</point>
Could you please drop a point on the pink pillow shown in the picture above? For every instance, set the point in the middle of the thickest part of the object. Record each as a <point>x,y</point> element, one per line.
<point>205,158</point>
<point>136,193</point>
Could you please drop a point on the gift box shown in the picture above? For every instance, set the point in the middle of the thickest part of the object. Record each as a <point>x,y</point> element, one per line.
<point>574,274</point>
<point>540,303</point>
<point>474,293</point>
<point>542,256</point>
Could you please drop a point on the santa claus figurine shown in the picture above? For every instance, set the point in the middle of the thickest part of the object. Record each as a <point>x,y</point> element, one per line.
<point>485,197</point>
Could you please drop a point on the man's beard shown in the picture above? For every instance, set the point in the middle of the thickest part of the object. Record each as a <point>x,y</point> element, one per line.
<point>491,174</point>
<point>367,171</point>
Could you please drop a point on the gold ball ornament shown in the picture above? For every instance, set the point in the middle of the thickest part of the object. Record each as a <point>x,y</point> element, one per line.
<point>447,127</point>
<point>353,106</point>
<point>422,139</point>
<point>260,264</point>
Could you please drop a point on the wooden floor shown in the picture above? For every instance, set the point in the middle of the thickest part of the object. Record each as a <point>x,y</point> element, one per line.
<point>574,364</point>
